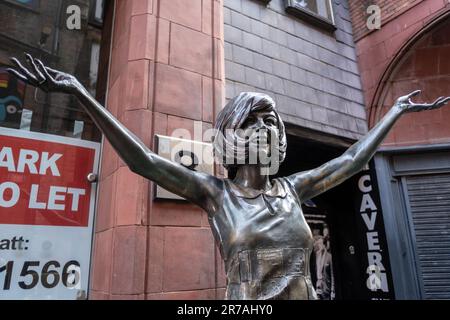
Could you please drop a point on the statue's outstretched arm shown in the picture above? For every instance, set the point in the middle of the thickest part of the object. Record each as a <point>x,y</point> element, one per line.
<point>309,184</point>
<point>196,187</point>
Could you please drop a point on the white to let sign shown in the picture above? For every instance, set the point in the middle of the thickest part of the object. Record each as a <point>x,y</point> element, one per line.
<point>46,215</point>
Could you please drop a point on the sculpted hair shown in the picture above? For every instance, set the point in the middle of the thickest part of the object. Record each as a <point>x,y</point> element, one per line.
<point>232,117</point>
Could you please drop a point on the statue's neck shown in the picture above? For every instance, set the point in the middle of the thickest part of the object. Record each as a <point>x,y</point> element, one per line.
<point>250,176</point>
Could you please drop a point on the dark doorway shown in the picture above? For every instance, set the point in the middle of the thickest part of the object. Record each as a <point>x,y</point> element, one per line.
<point>332,219</point>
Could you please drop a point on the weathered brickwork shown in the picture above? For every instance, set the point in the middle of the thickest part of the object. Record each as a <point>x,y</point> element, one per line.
<point>388,9</point>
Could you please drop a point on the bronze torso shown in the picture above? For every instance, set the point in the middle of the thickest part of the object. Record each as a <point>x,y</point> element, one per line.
<point>264,241</point>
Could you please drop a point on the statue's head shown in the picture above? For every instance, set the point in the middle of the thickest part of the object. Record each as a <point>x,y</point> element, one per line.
<point>249,130</point>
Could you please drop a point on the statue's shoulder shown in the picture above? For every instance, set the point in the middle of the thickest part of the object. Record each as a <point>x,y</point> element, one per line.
<point>289,187</point>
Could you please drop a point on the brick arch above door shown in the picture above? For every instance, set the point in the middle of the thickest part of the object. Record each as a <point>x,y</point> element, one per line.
<point>422,64</point>
<point>380,50</point>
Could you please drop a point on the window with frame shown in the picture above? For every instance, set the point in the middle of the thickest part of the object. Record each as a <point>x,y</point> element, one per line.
<point>44,34</point>
<point>318,12</point>
<point>30,4</point>
<point>97,12</point>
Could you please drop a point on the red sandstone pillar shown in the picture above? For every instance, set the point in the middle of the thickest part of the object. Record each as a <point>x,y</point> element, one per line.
<point>166,73</point>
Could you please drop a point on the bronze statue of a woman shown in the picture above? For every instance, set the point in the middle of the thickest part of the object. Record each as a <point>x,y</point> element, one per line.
<point>258,223</point>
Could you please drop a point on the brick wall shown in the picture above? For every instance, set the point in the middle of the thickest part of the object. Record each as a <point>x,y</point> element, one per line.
<point>312,74</point>
<point>389,10</point>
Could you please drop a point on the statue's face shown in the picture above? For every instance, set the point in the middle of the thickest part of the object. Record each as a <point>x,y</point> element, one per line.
<point>250,132</point>
<point>261,130</point>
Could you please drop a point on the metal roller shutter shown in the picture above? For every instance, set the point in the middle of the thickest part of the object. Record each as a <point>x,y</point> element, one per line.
<point>429,199</point>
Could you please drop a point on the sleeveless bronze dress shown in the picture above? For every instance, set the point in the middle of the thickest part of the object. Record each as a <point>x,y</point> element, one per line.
<point>265,242</point>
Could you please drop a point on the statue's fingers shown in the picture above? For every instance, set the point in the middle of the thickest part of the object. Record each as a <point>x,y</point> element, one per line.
<point>438,100</point>
<point>442,101</point>
<point>436,103</point>
<point>18,75</point>
<point>38,71</point>
<point>41,67</point>
<point>413,94</point>
<point>34,67</point>
<point>52,71</point>
<point>24,70</point>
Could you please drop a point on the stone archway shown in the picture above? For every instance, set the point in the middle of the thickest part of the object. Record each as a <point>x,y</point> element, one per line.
<point>423,63</point>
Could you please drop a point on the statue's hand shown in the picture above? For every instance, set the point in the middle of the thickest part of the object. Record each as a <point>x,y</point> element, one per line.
<point>405,103</point>
<point>43,77</point>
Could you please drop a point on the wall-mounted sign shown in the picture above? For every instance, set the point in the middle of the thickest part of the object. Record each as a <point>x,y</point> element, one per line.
<point>46,215</point>
<point>193,155</point>
<point>372,238</point>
